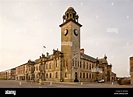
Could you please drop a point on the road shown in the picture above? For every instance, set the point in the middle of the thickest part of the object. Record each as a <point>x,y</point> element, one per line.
<point>24,84</point>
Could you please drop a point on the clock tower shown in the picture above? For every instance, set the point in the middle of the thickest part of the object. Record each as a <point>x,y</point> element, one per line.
<point>70,45</point>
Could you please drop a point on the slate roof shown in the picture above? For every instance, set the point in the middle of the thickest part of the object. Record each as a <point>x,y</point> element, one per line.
<point>103,60</point>
<point>87,57</point>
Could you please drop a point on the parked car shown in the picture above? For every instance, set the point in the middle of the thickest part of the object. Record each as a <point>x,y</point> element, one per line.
<point>124,81</point>
<point>101,81</point>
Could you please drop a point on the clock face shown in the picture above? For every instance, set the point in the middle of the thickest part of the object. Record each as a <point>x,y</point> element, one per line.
<point>76,32</point>
<point>65,32</point>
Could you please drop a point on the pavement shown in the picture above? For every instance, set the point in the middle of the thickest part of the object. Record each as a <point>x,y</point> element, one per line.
<point>49,84</point>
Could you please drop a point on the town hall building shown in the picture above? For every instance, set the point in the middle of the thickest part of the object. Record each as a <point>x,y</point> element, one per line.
<point>70,64</point>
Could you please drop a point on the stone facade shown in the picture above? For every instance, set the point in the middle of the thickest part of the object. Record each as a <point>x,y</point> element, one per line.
<point>13,73</point>
<point>3,75</point>
<point>29,70</point>
<point>20,72</point>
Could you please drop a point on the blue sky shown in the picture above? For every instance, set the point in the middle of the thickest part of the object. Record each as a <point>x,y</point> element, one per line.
<point>27,25</point>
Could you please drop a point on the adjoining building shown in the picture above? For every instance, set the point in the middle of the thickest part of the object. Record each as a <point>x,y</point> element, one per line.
<point>8,74</point>
<point>71,64</point>
<point>13,73</point>
<point>20,72</point>
<point>131,70</point>
<point>3,75</point>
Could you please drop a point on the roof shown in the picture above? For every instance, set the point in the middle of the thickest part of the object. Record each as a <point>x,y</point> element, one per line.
<point>102,60</point>
<point>72,21</point>
<point>113,73</point>
<point>87,57</point>
<point>71,9</point>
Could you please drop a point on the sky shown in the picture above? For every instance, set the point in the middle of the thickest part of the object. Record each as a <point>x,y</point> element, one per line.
<point>28,25</point>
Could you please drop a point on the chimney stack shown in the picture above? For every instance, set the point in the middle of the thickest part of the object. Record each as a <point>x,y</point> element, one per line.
<point>47,54</point>
<point>82,51</point>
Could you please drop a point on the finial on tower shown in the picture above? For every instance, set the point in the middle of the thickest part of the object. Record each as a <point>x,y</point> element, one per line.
<point>105,56</point>
<point>70,14</point>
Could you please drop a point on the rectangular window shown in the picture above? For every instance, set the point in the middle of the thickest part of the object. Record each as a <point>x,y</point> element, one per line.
<point>46,66</point>
<point>90,66</point>
<point>50,66</point>
<point>90,75</point>
<point>86,65</point>
<point>80,64</point>
<point>46,75</point>
<point>73,62</point>
<point>86,75</point>
<point>65,74</point>
<point>56,75</point>
<point>56,64</point>
<point>39,67</point>
<point>36,75</point>
<point>83,75</point>
<point>36,68</point>
<point>50,75</point>
<point>80,75</point>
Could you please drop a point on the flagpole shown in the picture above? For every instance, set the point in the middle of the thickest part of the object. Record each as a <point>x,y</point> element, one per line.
<point>44,65</point>
<point>44,47</point>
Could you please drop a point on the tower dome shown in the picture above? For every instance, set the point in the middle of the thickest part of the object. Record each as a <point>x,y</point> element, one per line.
<point>71,9</point>
<point>70,14</point>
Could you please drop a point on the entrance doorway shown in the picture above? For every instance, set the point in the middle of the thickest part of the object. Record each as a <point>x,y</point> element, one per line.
<point>76,77</point>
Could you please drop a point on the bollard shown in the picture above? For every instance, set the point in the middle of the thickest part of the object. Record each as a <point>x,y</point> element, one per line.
<point>19,83</point>
<point>81,83</point>
<point>112,83</point>
<point>50,83</point>
<point>40,82</point>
